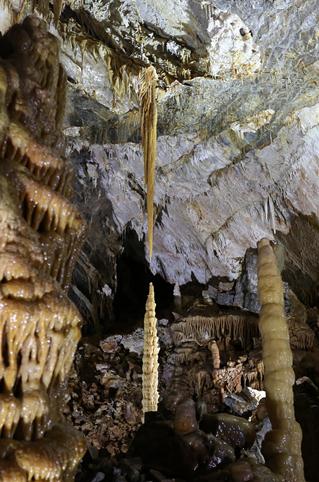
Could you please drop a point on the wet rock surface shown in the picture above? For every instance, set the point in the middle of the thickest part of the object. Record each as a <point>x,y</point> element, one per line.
<point>161,448</point>
<point>236,431</point>
<point>307,411</point>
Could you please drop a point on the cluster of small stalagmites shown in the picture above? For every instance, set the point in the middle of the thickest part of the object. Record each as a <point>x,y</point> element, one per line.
<point>208,348</point>
<point>234,377</point>
<point>150,356</point>
<point>40,234</point>
<point>208,360</point>
<point>209,370</point>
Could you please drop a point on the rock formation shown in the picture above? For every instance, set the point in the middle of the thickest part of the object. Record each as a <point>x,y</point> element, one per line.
<point>41,233</point>
<point>150,356</point>
<point>149,141</point>
<point>237,130</point>
<point>282,445</point>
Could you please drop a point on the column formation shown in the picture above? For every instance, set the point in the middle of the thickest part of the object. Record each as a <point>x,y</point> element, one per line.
<point>40,235</point>
<point>282,445</point>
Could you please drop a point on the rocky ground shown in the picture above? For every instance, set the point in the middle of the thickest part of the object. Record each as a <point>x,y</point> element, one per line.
<point>211,414</point>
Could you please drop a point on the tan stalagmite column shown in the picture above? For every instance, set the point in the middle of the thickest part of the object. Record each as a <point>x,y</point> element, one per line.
<point>150,356</point>
<point>282,445</point>
<point>149,142</point>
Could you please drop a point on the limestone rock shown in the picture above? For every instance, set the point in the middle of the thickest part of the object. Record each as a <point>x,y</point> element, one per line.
<point>238,131</point>
<point>234,156</point>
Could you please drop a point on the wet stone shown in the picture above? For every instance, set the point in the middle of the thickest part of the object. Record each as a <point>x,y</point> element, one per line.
<point>236,431</point>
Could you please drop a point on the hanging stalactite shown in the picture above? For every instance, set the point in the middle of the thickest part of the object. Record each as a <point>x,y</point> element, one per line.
<point>149,141</point>
<point>20,10</point>
<point>57,9</point>
<point>282,445</point>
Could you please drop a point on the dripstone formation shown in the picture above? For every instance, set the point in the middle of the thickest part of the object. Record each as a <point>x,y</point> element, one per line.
<point>40,235</point>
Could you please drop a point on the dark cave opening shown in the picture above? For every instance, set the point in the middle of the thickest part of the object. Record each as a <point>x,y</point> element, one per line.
<point>133,278</point>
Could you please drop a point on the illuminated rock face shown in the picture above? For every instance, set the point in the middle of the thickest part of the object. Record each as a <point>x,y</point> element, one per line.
<point>237,146</point>
<point>237,132</point>
<point>41,233</point>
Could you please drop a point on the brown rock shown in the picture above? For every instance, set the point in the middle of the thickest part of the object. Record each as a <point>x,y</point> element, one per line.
<point>185,417</point>
<point>236,431</point>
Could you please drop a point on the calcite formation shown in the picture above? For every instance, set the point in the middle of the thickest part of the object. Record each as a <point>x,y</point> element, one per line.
<point>202,329</point>
<point>209,358</point>
<point>150,356</point>
<point>216,353</point>
<point>41,232</point>
<point>243,327</point>
<point>149,141</point>
<point>282,445</point>
<point>237,142</point>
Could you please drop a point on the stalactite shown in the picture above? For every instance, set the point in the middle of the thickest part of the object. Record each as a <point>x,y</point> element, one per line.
<point>208,9</point>
<point>282,445</point>
<point>57,9</point>
<point>43,7</point>
<point>177,297</point>
<point>150,356</point>
<point>202,329</point>
<point>149,141</point>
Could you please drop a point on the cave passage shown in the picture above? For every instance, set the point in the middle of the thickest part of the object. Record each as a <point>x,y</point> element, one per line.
<point>133,278</point>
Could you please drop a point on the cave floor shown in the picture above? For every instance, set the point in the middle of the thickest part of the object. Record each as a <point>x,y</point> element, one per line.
<point>106,401</point>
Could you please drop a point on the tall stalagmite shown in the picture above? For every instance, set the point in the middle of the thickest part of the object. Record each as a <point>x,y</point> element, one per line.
<point>150,356</point>
<point>282,445</point>
<point>149,141</point>
<point>40,236</point>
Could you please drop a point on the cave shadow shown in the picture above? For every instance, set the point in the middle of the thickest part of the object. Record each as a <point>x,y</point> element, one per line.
<point>133,278</point>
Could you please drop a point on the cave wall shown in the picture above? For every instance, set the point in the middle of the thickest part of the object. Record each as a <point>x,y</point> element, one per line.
<point>238,131</point>
<point>237,148</point>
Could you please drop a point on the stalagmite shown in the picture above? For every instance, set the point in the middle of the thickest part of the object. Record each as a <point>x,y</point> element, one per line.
<point>149,141</point>
<point>41,233</point>
<point>150,356</point>
<point>282,445</point>
<point>213,347</point>
<point>177,297</point>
